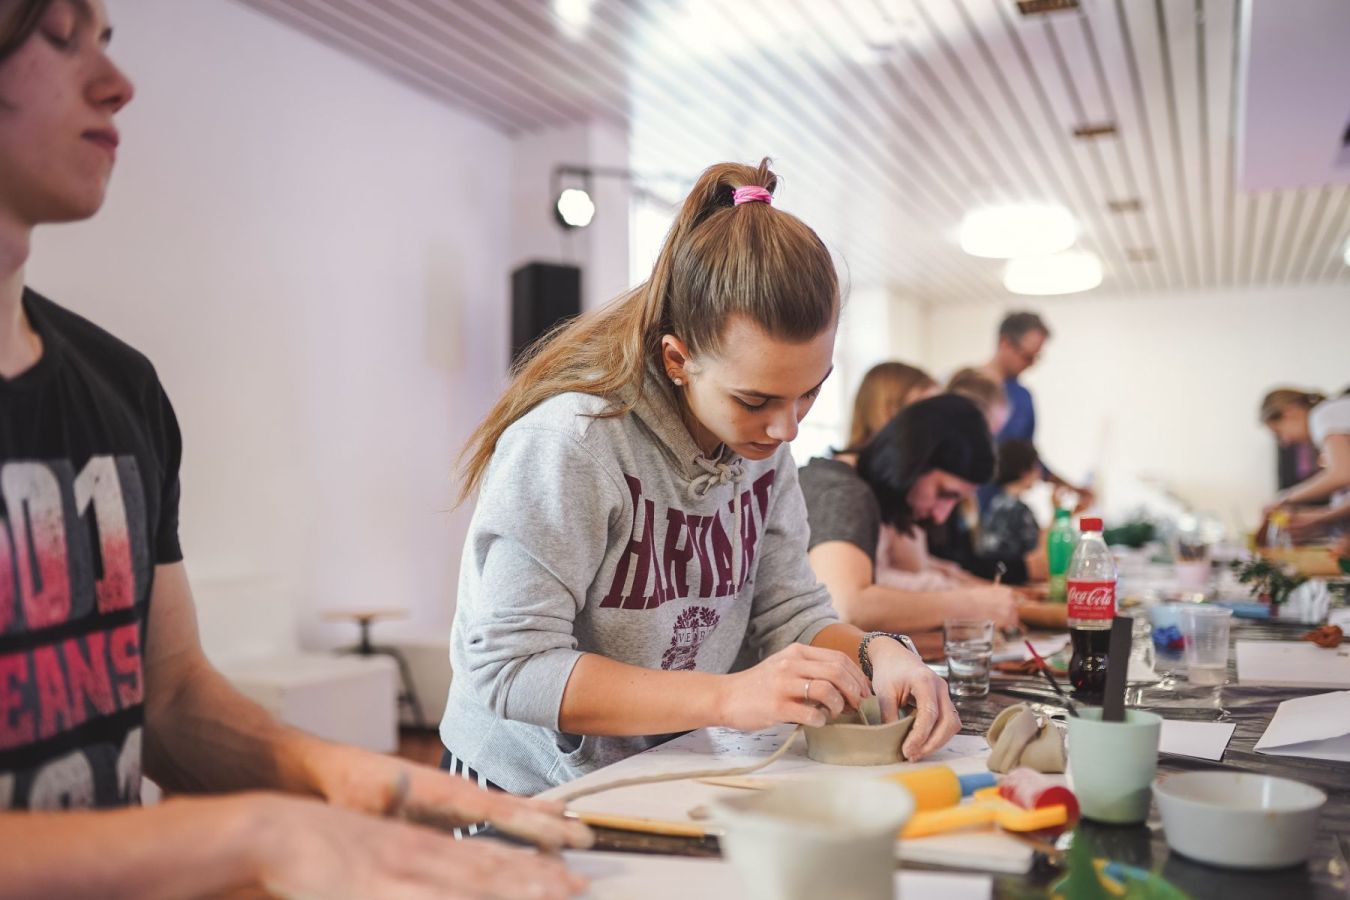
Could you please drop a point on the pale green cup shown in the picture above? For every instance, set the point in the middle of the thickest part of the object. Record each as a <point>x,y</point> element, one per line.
<point>1112,764</point>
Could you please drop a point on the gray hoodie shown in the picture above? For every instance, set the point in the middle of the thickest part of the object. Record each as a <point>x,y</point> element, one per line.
<point>614,536</point>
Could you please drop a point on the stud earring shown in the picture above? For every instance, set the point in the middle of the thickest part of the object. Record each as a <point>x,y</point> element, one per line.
<point>677,380</point>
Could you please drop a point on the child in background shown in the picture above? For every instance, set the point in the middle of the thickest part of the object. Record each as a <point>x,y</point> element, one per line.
<point>1009,528</point>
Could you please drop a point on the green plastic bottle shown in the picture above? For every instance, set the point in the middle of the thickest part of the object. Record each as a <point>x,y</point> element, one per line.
<point>1058,551</point>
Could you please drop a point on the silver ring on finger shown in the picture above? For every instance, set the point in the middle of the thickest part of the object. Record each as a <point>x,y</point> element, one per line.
<point>806,691</point>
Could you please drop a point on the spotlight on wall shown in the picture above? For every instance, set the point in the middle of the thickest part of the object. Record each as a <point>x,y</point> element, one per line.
<point>574,203</point>
<point>575,208</point>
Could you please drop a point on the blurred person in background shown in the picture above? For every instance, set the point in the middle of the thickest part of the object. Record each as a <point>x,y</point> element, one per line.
<point>1296,416</point>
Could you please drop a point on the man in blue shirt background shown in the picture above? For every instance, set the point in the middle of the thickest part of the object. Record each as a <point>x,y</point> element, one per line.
<point>1021,336</point>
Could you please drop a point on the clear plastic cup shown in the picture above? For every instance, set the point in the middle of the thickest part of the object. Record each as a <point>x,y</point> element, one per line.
<point>969,645</point>
<point>1204,629</point>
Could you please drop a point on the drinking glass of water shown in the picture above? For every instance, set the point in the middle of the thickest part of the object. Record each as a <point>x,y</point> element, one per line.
<point>969,644</point>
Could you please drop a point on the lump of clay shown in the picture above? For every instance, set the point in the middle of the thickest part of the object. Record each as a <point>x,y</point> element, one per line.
<point>1019,737</point>
<point>1328,636</point>
<point>846,741</point>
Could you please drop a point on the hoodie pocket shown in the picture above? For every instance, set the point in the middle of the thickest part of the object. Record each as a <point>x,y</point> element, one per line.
<point>575,752</point>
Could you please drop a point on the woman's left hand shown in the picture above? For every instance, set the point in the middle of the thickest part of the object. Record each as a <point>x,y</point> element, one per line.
<point>899,678</point>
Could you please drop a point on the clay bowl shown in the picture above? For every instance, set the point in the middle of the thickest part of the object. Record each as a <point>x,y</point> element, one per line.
<point>846,741</point>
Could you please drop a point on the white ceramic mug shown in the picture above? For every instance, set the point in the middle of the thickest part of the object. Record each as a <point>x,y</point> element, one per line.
<point>817,838</point>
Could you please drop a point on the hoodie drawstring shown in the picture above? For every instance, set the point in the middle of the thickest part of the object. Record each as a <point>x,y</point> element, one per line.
<point>716,473</point>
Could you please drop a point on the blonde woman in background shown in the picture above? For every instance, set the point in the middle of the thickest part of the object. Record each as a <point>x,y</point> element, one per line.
<point>886,389</point>
<point>1294,416</point>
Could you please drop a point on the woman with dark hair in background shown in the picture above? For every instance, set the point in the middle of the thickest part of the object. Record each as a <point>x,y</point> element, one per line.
<point>914,470</point>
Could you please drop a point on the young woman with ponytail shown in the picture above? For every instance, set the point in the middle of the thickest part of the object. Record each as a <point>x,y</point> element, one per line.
<point>636,565</point>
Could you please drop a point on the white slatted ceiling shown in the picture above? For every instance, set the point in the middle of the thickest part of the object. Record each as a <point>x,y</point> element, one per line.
<point>883,150</point>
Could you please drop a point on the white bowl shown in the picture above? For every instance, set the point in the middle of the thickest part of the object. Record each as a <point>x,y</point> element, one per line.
<point>1239,820</point>
<point>810,839</point>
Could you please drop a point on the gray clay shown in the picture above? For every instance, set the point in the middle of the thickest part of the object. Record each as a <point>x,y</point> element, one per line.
<point>846,741</point>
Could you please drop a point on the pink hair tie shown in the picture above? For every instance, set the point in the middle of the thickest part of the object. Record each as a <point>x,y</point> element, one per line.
<point>751,193</point>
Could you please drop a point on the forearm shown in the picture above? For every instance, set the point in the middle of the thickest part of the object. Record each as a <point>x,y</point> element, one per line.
<point>180,848</point>
<point>1321,485</point>
<point>842,637</point>
<point>204,736</point>
<point>1331,516</point>
<point>880,608</point>
<point>607,697</point>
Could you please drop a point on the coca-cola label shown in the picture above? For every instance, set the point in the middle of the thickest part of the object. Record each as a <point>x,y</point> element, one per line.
<point>1092,599</point>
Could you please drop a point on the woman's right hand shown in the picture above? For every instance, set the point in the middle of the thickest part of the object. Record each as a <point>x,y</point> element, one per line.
<point>306,848</point>
<point>995,602</point>
<point>800,684</point>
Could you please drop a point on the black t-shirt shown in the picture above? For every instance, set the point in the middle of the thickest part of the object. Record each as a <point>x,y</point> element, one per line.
<point>89,455</point>
<point>839,505</point>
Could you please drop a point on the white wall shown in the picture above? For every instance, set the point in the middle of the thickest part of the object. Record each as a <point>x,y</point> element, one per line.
<point>1163,387</point>
<point>315,258</point>
<point>877,325</point>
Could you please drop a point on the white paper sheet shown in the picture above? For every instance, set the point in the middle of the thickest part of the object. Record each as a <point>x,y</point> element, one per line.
<point>1201,740</point>
<point>624,876</point>
<point>1046,645</point>
<point>1293,664</point>
<point>1340,617</point>
<point>1317,727</point>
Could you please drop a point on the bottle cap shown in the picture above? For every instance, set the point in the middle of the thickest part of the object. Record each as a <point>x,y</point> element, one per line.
<point>1062,512</point>
<point>1090,524</point>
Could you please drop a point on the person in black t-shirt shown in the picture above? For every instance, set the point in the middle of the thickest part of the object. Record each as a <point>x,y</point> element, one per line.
<point>100,664</point>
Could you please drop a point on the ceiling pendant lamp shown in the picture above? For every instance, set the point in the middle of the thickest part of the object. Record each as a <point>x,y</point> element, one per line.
<point>1018,229</point>
<point>1060,273</point>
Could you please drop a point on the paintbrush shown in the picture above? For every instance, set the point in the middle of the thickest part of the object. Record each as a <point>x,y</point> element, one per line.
<point>1049,676</point>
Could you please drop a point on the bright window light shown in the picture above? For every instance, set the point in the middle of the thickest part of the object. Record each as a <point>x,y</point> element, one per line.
<point>1014,230</point>
<point>1060,273</point>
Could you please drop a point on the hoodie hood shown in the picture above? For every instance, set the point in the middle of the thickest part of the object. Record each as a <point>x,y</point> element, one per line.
<point>658,408</point>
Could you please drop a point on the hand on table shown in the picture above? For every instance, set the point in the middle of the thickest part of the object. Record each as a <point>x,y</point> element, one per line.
<point>995,602</point>
<point>1305,524</point>
<point>370,783</point>
<point>305,848</point>
<point>800,684</point>
<point>900,678</point>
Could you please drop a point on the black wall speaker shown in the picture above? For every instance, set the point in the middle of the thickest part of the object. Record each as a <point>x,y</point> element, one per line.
<point>542,295</point>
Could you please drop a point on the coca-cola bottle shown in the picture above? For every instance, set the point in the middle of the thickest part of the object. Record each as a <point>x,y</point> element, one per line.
<point>1092,606</point>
